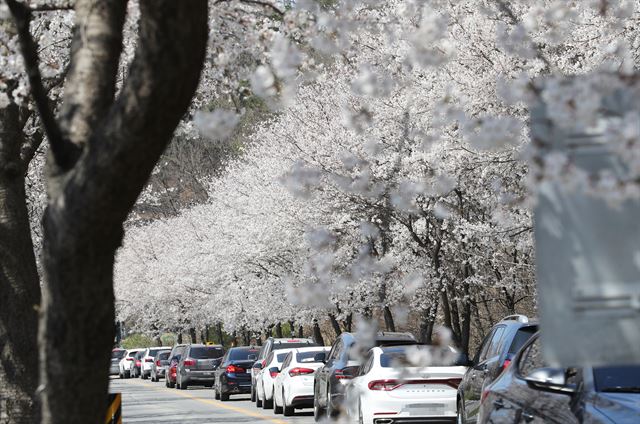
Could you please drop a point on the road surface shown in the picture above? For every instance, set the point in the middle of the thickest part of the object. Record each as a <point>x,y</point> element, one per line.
<point>147,402</point>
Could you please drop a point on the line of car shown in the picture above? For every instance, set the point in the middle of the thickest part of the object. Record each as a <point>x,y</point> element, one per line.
<point>388,378</point>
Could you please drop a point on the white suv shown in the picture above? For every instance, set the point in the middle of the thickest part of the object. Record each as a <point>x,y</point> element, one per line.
<point>126,363</point>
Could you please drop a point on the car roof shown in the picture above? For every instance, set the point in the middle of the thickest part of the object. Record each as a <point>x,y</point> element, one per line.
<point>245,348</point>
<point>394,335</point>
<point>312,348</point>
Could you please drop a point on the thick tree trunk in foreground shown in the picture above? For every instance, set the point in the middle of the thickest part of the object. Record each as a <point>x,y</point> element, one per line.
<point>91,192</point>
<point>19,285</point>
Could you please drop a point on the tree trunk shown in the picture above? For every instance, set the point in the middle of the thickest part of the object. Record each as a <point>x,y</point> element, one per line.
<point>279,331</point>
<point>335,325</point>
<point>300,332</point>
<point>292,328</point>
<point>317,334</point>
<point>347,323</point>
<point>19,285</point>
<point>92,192</point>
<point>193,335</point>
<point>388,319</point>
<point>220,335</point>
<point>179,339</point>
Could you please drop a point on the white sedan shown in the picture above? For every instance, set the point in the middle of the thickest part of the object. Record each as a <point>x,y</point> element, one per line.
<point>293,387</point>
<point>395,383</point>
<point>266,377</point>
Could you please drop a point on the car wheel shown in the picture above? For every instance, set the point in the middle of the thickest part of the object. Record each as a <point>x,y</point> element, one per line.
<point>332,413</point>
<point>216,394</point>
<point>121,375</point>
<point>166,382</point>
<point>258,401</point>
<point>184,385</point>
<point>276,409</point>
<point>127,374</point>
<point>224,397</point>
<point>287,411</point>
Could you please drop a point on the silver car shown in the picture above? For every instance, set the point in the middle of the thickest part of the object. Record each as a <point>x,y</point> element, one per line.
<point>197,365</point>
<point>116,355</point>
<point>160,361</point>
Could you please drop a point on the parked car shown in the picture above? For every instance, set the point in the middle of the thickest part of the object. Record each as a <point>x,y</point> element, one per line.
<point>148,358</point>
<point>293,387</point>
<point>267,376</point>
<point>389,386</point>
<point>170,369</point>
<point>127,362</point>
<point>270,345</point>
<point>197,365</point>
<point>116,355</point>
<point>341,365</point>
<point>158,365</point>
<point>137,364</point>
<point>529,391</point>
<point>233,376</point>
<point>494,355</point>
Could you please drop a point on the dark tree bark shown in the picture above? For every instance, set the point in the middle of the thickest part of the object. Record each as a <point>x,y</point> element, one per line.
<point>317,334</point>
<point>300,331</point>
<point>179,338</point>
<point>292,328</point>
<point>348,322</point>
<point>102,153</point>
<point>335,325</point>
<point>279,331</point>
<point>192,335</point>
<point>388,319</point>
<point>220,335</point>
<point>19,285</point>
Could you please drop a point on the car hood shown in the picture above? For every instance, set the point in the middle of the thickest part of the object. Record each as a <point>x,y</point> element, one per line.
<point>620,408</point>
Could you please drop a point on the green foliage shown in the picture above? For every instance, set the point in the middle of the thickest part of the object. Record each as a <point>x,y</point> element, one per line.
<point>168,339</point>
<point>137,340</point>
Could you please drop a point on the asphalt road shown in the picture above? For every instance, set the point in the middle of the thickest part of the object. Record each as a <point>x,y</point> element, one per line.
<point>147,402</point>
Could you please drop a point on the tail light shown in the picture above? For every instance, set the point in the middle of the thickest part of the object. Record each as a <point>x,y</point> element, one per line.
<point>340,375</point>
<point>274,374</point>
<point>233,369</point>
<point>158,363</point>
<point>263,363</point>
<point>137,363</point>
<point>506,364</point>
<point>300,371</point>
<point>189,362</point>
<point>148,360</point>
<point>384,385</point>
<point>129,359</point>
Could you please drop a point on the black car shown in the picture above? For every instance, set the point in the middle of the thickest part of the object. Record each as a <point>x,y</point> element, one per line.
<point>494,354</point>
<point>269,346</point>
<point>197,365</point>
<point>159,362</point>
<point>529,391</point>
<point>233,376</point>
<point>341,365</point>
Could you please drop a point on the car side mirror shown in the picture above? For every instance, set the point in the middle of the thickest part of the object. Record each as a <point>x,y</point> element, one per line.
<point>257,366</point>
<point>463,361</point>
<point>252,357</point>
<point>552,380</point>
<point>320,357</point>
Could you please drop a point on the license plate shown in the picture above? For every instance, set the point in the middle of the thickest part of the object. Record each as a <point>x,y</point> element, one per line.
<point>425,409</point>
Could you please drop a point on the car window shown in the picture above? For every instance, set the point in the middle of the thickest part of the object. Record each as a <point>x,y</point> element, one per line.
<point>269,358</point>
<point>306,357</point>
<point>206,352</point>
<point>617,378</point>
<point>117,354</point>
<point>154,352</point>
<point>531,359</point>
<point>496,342</point>
<point>281,356</point>
<point>335,350</point>
<point>287,360</point>
<point>241,354</point>
<point>368,363</point>
<point>163,355</point>
<point>522,336</point>
<point>131,354</point>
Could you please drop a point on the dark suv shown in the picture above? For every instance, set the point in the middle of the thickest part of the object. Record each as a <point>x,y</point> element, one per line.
<point>197,364</point>
<point>341,365</point>
<point>494,354</point>
<point>233,376</point>
<point>269,346</point>
<point>172,363</point>
<point>530,391</point>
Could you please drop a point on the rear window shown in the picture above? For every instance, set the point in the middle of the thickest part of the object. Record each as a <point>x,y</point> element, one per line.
<point>280,357</point>
<point>206,352</point>
<point>292,345</point>
<point>131,354</point>
<point>154,352</point>
<point>307,356</point>
<point>242,354</point>
<point>521,337</point>
<point>117,354</point>
<point>163,355</point>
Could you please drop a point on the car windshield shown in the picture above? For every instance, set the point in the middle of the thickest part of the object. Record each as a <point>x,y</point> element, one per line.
<point>117,354</point>
<point>304,357</point>
<point>163,355</point>
<point>242,354</point>
<point>154,352</point>
<point>206,352</point>
<point>619,378</point>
